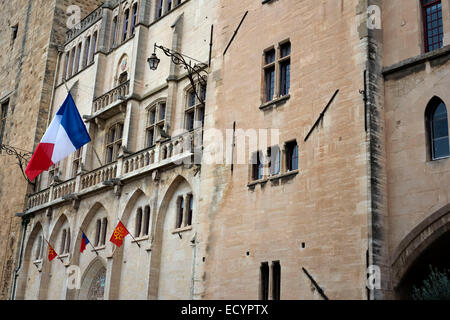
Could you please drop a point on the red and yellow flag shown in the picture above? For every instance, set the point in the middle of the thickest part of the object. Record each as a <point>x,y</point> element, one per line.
<point>51,253</point>
<point>119,234</point>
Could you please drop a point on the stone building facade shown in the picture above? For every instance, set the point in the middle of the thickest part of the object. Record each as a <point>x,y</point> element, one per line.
<point>349,168</point>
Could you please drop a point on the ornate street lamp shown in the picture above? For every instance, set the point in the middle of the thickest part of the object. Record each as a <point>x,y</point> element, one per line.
<point>197,70</point>
<point>153,62</point>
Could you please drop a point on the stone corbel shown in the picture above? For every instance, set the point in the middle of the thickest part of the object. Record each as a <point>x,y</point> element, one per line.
<point>49,213</point>
<point>155,175</point>
<point>100,123</point>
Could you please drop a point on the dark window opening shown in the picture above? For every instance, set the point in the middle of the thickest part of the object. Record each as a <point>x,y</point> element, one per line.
<point>104,229</point>
<point>276,280</point>
<point>257,166</point>
<point>437,122</point>
<point>133,22</point>
<point>433,27</point>
<point>190,209</point>
<point>264,281</point>
<point>291,156</point>
<point>180,211</point>
<point>160,8</point>
<point>145,230</point>
<point>3,116</point>
<point>138,225</point>
<point>125,25</point>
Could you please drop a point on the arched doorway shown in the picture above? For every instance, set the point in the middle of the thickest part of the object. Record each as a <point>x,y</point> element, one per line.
<point>426,245</point>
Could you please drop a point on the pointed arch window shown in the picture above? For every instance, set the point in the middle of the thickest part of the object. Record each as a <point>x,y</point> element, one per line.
<point>437,125</point>
<point>125,24</point>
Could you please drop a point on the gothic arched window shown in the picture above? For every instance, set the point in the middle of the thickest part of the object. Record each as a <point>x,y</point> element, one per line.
<point>437,125</point>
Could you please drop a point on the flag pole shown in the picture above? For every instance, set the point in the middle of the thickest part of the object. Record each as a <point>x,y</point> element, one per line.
<point>133,237</point>
<point>89,242</point>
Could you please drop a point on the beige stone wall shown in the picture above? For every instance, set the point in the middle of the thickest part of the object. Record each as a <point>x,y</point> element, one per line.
<point>325,204</point>
<point>418,187</point>
<point>403,36</point>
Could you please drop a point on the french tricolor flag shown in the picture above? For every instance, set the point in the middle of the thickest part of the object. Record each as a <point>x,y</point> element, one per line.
<point>66,134</point>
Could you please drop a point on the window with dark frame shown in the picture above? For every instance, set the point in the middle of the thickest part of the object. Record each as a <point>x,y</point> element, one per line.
<point>433,26</point>
<point>138,224</point>
<point>146,226</point>
<point>257,166</point>
<point>72,62</point>
<point>63,241</point>
<point>195,109</point>
<point>126,18</point>
<point>285,68</point>
<point>134,19</point>
<point>169,5</point>
<point>77,65</point>
<point>104,230</point>
<point>156,119</point>
<point>190,208</point>
<point>291,156</point>
<point>437,119</point>
<point>160,8</point>
<point>66,74</point>
<point>264,281</point>
<point>114,142</point>
<point>180,212</point>
<point>276,280</point>
<point>3,117</point>
<point>98,231</point>
<point>269,75</point>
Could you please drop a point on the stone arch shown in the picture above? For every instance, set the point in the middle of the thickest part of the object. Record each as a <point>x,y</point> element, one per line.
<point>86,220</point>
<point>158,232</point>
<point>47,267</point>
<point>415,244</point>
<point>22,286</point>
<point>116,268</point>
<point>96,266</point>
<point>122,67</point>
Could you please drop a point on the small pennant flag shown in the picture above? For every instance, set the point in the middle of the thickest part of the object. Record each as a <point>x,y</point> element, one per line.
<point>66,134</point>
<point>51,253</point>
<point>84,241</point>
<point>119,234</point>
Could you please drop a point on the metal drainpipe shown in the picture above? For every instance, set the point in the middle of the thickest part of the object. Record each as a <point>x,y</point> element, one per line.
<point>25,221</point>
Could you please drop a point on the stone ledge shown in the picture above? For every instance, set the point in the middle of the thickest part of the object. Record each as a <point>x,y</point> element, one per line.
<point>275,102</point>
<point>416,60</point>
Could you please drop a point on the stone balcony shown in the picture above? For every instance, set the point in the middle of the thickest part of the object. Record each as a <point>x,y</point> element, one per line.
<point>104,105</point>
<point>84,24</point>
<point>185,148</point>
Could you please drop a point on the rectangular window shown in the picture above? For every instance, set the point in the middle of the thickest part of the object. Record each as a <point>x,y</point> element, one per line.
<point>162,111</point>
<point>77,67</point>
<point>257,166</point>
<point>114,142</point>
<point>87,44</point>
<point>72,62</point>
<point>3,116</point>
<point>292,156</point>
<point>104,229</point>
<point>146,221</point>
<point>276,280</point>
<point>138,227</point>
<point>264,281</point>
<point>274,155</point>
<point>160,8</point>
<point>189,210</point>
<point>125,25</point>
<point>66,74</point>
<point>98,230</point>
<point>114,33</point>
<point>269,74</point>
<point>133,22</point>
<point>94,46</point>
<point>169,5</point>
<point>190,120</point>
<point>76,162</point>
<point>156,120</point>
<point>180,211</point>
<point>285,68</point>
<point>433,27</point>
